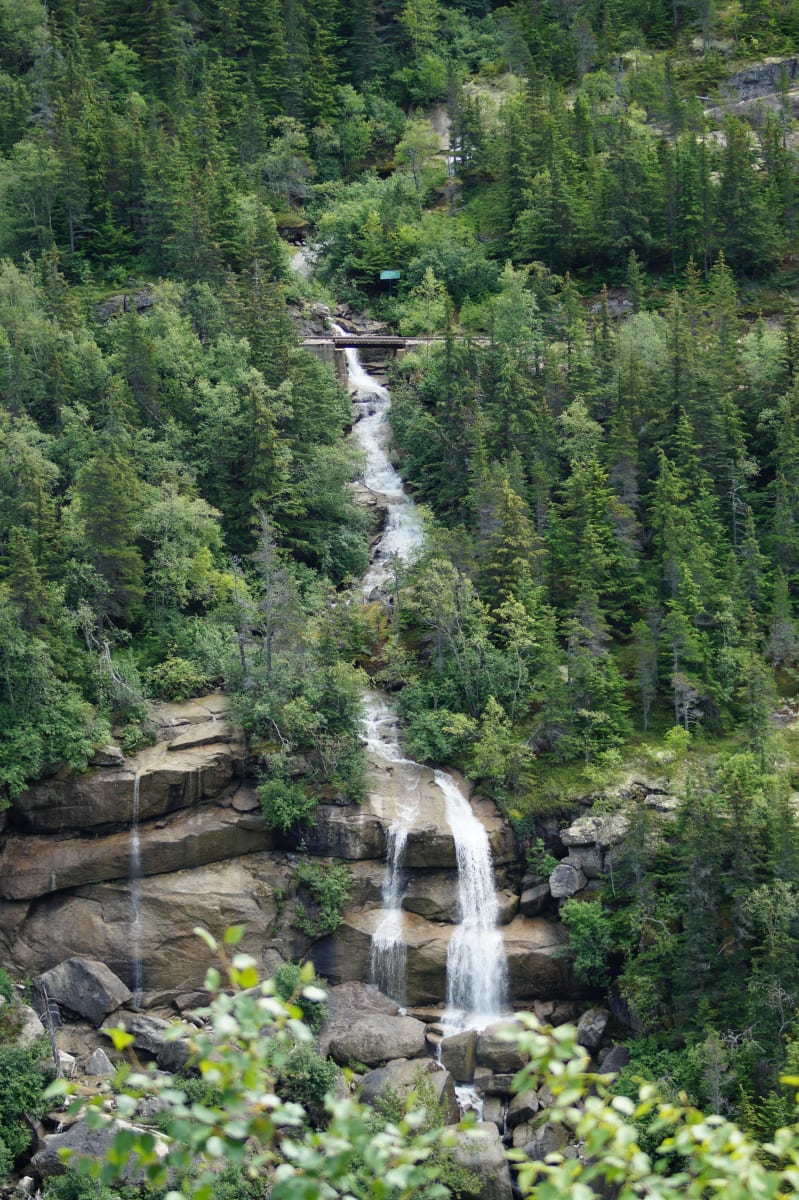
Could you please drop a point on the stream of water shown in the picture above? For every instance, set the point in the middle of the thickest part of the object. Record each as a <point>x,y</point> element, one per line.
<point>134,876</point>
<point>476,968</point>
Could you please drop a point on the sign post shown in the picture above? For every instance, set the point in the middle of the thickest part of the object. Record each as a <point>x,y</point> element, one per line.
<point>390,275</point>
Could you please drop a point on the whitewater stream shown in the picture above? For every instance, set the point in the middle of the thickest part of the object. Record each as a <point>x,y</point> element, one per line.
<point>476,967</point>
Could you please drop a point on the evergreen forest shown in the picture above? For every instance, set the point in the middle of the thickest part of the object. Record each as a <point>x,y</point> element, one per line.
<point>594,210</point>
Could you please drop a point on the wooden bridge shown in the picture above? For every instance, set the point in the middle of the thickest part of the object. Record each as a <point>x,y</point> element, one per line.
<point>369,341</point>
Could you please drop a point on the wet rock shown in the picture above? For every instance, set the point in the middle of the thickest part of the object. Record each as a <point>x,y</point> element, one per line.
<point>84,986</point>
<point>403,1076</point>
<point>566,880</point>
<point>482,1153</point>
<point>377,1038</point>
<point>591,1028</point>
<point>459,1054</point>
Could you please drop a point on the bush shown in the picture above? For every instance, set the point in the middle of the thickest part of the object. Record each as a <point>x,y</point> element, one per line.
<point>288,985</point>
<point>305,1078</point>
<point>285,805</point>
<point>329,888</point>
<point>177,679</point>
<point>22,1084</point>
<point>590,941</point>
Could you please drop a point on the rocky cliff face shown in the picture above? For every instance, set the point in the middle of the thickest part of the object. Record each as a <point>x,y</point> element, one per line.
<point>205,858</point>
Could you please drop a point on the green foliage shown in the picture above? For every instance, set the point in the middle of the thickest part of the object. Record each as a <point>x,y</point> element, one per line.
<point>306,1078</point>
<point>22,1085</point>
<point>286,805</point>
<point>328,889</point>
<point>177,678</point>
<point>252,1036</point>
<point>591,942</point>
<point>289,987</point>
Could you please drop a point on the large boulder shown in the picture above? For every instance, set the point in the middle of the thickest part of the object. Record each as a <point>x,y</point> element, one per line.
<point>83,1142</point>
<point>566,880</point>
<point>458,1054</point>
<point>33,866</point>
<point>482,1154</point>
<point>376,1039</point>
<point>403,1076</point>
<point>83,986</point>
<point>494,1050</point>
<point>347,1003</point>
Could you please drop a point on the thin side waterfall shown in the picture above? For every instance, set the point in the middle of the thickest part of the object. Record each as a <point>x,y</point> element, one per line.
<point>476,967</point>
<point>477,976</point>
<point>134,876</point>
<point>388,949</point>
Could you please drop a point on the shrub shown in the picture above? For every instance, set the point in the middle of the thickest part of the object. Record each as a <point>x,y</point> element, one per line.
<point>177,679</point>
<point>590,941</point>
<point>285,805</point>
<point>22,1084</point>
<point>288,985</point>
<point>329,888</point>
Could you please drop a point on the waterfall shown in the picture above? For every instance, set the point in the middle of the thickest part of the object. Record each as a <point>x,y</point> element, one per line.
<point>476,968</point>
<point>403,532</point>
<point>134,877</point>
<point>388,948</point>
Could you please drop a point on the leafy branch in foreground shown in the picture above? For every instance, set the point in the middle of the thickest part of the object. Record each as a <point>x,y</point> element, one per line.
<point>245,1124</point>
<point>251,1038</point>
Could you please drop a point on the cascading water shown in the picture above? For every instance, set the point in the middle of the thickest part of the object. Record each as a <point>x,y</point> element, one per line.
<point>476,969</point>
<point>388,949</point>
<point>134,876</point>
<point>477,977</point>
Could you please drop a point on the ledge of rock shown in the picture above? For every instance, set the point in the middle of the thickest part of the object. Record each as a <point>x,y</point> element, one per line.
<point>104,798</point>
<point>34,866</point>
<point>352,832</point>
<point>95,921</point>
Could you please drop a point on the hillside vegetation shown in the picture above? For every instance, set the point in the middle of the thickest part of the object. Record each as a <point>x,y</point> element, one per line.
<point>605,442</point>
